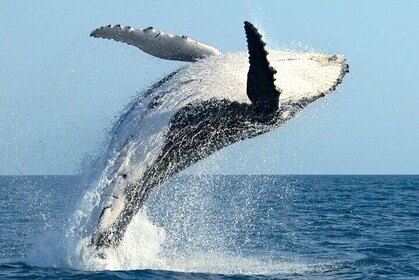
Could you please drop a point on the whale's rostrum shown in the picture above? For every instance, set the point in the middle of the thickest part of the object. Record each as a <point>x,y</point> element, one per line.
<point>197,110</point>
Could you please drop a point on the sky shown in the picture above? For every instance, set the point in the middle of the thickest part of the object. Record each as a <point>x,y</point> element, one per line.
<point>60,90</point>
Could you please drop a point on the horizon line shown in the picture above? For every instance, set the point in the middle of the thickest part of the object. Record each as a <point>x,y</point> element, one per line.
<point>232,174</point>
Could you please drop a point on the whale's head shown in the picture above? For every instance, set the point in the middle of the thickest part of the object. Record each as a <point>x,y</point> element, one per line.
<point>276,77</point>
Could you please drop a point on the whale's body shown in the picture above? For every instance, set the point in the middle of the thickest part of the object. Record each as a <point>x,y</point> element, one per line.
<point>193,112</point>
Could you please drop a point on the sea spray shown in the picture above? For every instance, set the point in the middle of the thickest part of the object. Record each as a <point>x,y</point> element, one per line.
<point>200,219</point>
<point>139,250</point>
<point>163,130</point>
<point>194,223</point>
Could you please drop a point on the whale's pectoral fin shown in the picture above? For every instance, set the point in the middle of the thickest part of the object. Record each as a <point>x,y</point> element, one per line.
<point>261,88</point>
<point>156,42</point>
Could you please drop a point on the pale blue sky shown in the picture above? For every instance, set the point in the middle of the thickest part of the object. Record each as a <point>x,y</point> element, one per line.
<point>60,89</point>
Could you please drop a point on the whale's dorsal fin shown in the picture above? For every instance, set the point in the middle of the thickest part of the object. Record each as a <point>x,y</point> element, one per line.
<point>261,89</point>
<point>156,42</point>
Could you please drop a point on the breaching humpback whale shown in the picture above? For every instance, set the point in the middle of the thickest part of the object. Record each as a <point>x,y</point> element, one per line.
<point>217,100</point>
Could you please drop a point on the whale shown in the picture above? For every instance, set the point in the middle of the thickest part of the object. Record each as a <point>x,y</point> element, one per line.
<point>214,100</point>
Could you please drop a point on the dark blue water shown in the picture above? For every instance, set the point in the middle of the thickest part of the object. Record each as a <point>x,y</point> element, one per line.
<point>244,227</point>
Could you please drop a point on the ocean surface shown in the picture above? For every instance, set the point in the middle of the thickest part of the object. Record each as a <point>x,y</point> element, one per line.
<point>225,227</point>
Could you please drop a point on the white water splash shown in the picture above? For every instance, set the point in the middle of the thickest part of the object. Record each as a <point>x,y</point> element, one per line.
<point>135,145</point>
<point>195,222</point>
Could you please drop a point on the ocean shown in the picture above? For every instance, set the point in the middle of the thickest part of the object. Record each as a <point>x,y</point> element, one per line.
<point>223,227</point>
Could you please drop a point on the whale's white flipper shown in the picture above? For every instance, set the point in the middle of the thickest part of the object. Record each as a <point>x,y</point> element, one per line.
<point>157,43</point>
